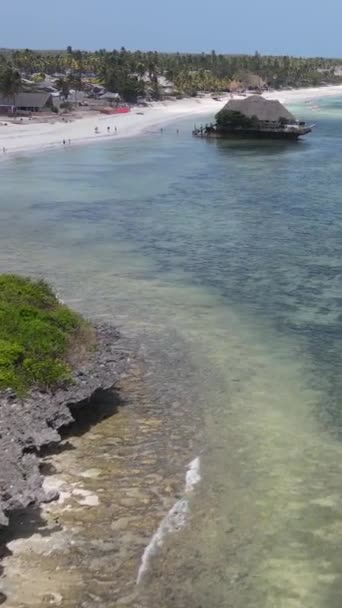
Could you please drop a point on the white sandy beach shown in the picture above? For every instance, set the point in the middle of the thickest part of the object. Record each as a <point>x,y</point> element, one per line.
<point>35,136</point>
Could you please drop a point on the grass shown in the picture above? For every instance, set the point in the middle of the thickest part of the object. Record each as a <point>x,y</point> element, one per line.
<point>38,335</point>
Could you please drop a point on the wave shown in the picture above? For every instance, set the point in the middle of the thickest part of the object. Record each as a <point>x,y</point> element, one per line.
<point>173,521</point>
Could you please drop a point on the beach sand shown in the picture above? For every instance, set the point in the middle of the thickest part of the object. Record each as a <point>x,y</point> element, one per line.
<point>34,136</point>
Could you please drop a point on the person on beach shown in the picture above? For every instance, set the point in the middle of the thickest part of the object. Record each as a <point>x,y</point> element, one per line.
<point>116,129</point>
<point>108,129</point>
<point>4,150</point>
<point>96,129</point>
<point>69,141</point>
<point>64,142</point>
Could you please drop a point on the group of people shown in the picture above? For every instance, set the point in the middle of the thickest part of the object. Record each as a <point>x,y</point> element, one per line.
<point>64,142</point>
<point>97,130</point>
<point>162,130</point>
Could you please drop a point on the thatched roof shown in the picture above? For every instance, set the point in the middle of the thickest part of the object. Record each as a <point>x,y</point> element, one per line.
<point>263,109</point>
<point>253,81</point>
<point>246,80</point>
<point>27,100</point>
<point>235,85</point>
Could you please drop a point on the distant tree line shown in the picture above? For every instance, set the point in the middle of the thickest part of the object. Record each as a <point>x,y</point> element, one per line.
<point>126,72</point>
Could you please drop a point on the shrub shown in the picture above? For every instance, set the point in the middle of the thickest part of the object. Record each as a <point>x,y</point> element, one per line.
<point>65,319</point>
<point>38,335</point>
<point>66,105</point>
<point>46,373</point>
<point>10,354</point>
<point>232,119</point>
<point>20,290</point>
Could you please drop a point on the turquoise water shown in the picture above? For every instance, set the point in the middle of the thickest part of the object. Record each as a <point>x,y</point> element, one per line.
<point>235,249</point>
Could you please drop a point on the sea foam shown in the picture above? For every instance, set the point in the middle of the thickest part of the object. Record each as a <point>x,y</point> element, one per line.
<point>173,521</point>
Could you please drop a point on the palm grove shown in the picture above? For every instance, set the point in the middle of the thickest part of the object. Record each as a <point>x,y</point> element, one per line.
<point>127,72</point>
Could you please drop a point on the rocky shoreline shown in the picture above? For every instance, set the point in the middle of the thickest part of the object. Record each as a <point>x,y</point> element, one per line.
<point>37,422</point>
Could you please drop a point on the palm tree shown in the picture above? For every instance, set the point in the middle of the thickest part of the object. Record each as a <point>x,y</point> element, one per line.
<point>62,85</point>
<point>141,69</point>
<point>75,82</point>
<point>10,83</point>
<point>201,71</point>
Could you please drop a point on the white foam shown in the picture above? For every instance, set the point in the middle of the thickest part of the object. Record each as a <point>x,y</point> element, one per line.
<point>173,521</point>
<point>193,476</point>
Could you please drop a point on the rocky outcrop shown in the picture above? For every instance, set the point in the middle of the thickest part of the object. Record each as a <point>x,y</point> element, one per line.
<point>30,424</point>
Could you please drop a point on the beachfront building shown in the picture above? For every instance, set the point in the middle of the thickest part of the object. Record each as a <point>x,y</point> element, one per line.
<point>254,82</point>
<point>247,82</point>
<point>255,116</point>
<point>166,88</point>
<point>26,102</point>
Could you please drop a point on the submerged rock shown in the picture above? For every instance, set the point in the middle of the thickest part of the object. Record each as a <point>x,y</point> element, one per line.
<point>37,421</point>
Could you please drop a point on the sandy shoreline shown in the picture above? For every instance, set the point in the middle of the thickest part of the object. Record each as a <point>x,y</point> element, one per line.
<point>36,136</point>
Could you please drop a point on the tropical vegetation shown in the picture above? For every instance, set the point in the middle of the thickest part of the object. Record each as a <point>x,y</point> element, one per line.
<point>38,335</point>
<point>230,119</point>
<point>10,82</point>
<point>133,73</point>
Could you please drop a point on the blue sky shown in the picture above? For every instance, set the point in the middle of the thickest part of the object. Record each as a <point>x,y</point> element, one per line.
<point>298,27</point>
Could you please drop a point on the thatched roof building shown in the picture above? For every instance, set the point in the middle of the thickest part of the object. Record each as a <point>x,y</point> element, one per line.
<point>29,102</point>
<point>254,117</point>
<point>253,81</point>
<point>264,110</point>
<point>245,81</point>
<point>235,85</point>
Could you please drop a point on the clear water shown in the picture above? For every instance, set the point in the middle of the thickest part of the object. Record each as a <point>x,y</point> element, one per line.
<point>234,249</point>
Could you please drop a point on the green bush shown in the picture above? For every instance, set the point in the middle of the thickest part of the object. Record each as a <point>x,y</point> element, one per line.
<point>38,335</point>
<point>9,378</point>
<point>11,354</point>
<point>47,372</point>
<point>65,319</point>
<point>21,290</point>
<point>232,119</point>
<point>66,105</point>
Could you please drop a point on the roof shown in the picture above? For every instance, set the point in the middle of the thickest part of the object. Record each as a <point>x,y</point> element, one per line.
<point>162,80</point>
<point>26,100</point>
<point>165,83</point>
<point>253,80</point>
<point>47,82</point>
<point>234,85</point>
<point>109,95</point>
<point>263,109</point>
<point>46,88</point>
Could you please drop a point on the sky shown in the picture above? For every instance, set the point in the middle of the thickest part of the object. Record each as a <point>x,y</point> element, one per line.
<point>290,27</point>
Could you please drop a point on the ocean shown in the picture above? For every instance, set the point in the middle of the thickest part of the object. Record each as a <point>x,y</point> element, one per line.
<point>223,259</point>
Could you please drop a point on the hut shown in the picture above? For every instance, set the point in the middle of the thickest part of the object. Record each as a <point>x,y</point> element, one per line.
<point>235,86</point>
<point>26,102</point>
<point>253,82</point>
<point>255,116</point>
<point>265,110</point>
<point>245,81</point>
